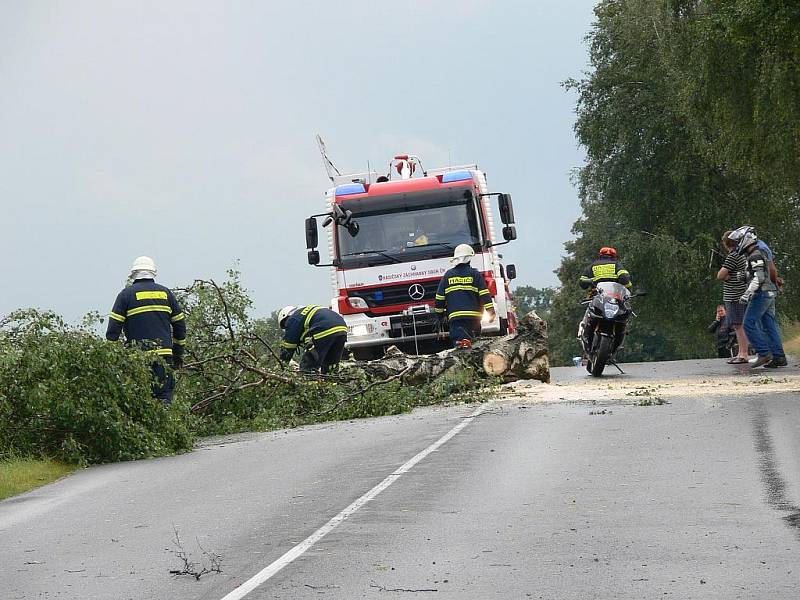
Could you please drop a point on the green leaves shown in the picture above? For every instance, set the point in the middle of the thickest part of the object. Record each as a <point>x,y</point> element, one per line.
<point>691,123</point>
<point>69,394</point>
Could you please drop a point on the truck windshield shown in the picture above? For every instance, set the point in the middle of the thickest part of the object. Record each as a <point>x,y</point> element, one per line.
<point>406,230</point>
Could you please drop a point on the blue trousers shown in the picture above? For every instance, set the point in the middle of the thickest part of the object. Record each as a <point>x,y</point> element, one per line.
<point>323,354</point>
<point>464,329</point>
<point>761,325</point>
<point>163,381</point>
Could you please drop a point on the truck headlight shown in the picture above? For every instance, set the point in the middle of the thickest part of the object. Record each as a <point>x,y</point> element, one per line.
<point>357,302</point>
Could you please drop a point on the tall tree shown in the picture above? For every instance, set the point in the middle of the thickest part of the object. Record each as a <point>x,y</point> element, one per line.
<point>651,185</point>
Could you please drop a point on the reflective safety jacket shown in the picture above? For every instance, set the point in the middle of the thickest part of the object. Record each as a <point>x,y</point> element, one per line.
<point>605,268</point>
<point>310,324</point>
<point>463,293</point>
<point>149,315</point>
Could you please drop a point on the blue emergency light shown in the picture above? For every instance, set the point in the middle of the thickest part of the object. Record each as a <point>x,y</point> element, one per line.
<point>350,188</point>
<point>451,176</point>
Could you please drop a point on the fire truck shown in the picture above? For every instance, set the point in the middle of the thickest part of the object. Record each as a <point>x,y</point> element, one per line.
<point>390,240</point>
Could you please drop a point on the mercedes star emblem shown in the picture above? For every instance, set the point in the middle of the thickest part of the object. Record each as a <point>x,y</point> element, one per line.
<point>416,292</point>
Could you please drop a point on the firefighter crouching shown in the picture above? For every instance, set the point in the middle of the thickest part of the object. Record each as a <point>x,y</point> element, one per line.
<point>462,298</point>
<point>152,319</point>
<point>322,331</point>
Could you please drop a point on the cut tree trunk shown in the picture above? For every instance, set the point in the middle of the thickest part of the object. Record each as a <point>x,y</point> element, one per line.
<point>520,355</point>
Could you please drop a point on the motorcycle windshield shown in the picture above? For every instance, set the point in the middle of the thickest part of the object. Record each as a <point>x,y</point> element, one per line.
<point>613,289</point>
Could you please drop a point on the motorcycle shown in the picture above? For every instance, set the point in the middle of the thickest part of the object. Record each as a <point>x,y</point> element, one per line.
<point>602,330</point>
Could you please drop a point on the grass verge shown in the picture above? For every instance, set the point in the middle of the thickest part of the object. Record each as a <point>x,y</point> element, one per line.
<point>791,342</point>
<point>19,475</point>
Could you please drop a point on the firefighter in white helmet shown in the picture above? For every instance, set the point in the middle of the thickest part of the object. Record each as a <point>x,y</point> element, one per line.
<point>320,330</point>
<point>151,318</point>
<point>462,298</point>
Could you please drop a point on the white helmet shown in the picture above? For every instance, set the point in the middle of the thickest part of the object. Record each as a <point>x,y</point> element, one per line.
<point>745,236</point>
<point>283,314</point>
<point>463,253</point>
<point>144,263</point>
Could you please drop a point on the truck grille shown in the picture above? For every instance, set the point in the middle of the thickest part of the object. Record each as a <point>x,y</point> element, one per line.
<point>390,295</point>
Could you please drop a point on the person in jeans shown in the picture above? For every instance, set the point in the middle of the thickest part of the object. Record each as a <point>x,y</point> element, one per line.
<point>760,322</point>
<point>733,275</point>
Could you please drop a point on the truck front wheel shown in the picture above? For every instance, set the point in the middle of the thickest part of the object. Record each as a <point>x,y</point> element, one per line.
<point>503,326</point>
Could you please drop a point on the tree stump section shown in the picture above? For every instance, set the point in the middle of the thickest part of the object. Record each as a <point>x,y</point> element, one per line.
<point>520,355</point>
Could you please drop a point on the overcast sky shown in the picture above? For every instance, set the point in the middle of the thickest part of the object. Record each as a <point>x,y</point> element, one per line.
<point>185,131</point>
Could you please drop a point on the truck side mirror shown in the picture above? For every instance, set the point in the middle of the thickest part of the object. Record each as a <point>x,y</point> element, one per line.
<point>313,257</point>
<point>511,272</point>
<point>312,237</point>
<point>506,209</point>
<point>509,233</point>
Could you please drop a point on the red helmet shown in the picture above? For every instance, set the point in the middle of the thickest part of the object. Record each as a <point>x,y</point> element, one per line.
<point>608,251</point>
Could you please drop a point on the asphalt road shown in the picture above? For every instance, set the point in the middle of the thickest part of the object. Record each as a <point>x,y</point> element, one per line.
<point>696,498</point>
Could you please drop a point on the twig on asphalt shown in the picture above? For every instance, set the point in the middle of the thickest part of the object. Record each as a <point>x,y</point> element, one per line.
<point>385,589</point>
<point>196,570</point>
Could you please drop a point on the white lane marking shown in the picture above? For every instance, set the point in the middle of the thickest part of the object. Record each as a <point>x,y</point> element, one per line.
<point>270,570</point>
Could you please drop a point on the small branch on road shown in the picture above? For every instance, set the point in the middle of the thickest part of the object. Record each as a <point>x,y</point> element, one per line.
<point>413,591</point>
<point>209,563</point>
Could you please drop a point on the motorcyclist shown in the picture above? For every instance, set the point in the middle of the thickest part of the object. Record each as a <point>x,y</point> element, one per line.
<point>606,267</point>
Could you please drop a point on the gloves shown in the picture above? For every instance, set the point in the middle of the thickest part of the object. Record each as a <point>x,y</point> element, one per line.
<point>751,289</point>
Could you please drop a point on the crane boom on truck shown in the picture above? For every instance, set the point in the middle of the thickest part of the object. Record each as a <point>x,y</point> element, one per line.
<point>390,240</point>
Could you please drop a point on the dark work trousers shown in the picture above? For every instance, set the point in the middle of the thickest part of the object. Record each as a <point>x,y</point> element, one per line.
<point>163,381</point>
<point>324,353</point>
<point>464,329</point>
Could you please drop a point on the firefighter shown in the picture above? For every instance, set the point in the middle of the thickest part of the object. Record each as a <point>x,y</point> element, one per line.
<point>322,332</point>
<point>463,297</point>
<point>606,267</point>
<point>151,318</point>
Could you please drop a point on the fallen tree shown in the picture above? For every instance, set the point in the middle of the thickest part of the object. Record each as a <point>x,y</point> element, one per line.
<point>520,355</point>
<point>233,380</point>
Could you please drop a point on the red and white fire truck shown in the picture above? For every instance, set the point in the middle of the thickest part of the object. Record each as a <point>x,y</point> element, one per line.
<point>390,240</point>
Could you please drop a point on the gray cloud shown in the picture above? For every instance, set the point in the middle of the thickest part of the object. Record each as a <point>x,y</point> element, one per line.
<point>185,130</point>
